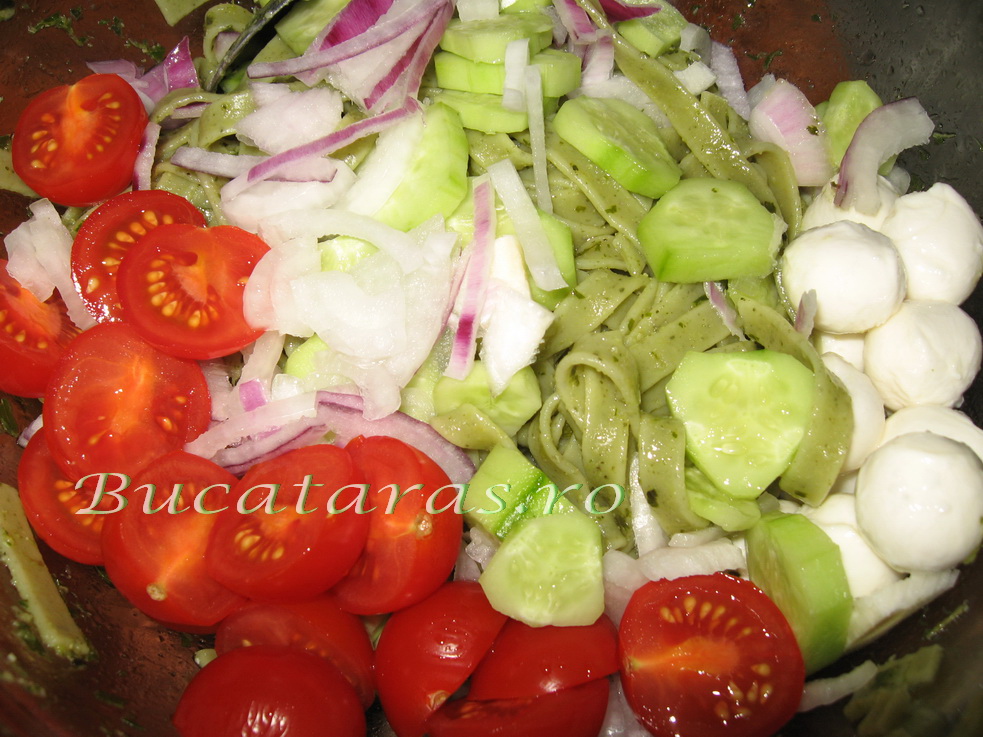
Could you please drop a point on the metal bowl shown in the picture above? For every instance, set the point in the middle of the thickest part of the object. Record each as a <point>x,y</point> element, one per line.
<point>932,50</point>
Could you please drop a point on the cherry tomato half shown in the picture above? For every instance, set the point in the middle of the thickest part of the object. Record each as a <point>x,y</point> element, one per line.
<point>76,144</point>
<point>571,712</point>
<point>267,690</point>
<point>427,651</point>
<point>51,501</point>
<point>528,661</point>
<point>182,289</point>
<point>112,229</point>
<point>410,550</point>
<point>318,626</point>
<point>115,403</point>
<point>290,546</point>
<point>152,547</point>
<point>709,656</point>
<point>33,335</point>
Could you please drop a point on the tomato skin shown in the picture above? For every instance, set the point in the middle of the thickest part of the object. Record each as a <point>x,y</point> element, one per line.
<point>709,656</point>
<point>410,551</point>
<point>267,690</point>
<point>115,403</point>
<point>289,555</point>
<point>428,650</point>
<point>77,144</point>
<point>572,712</point>
<point>160,551</point>
<point>33,336</point>
<point>51,509</point>
<point>182,289</point>
<point>528,661</point>
<point>108,234</point>
<point>318,626</point>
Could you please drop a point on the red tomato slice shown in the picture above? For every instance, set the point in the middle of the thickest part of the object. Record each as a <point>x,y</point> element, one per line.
<point>528,661</point>
<point>115,403</point>
<point>51,501</point>
<point>427,651</point>
<point>76,144</point>
<point>266,690</point>
<point>319,626</point>
<point>571,712</point>
<point>152,548</point>
<point>112,229</point>
<point>703,656</point>
<point>300,549</point>
<point>182,288</point>
<point>410,551</point>
<point>33,335</point>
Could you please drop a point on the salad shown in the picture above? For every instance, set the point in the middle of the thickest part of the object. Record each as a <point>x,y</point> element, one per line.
<point>420,352</point>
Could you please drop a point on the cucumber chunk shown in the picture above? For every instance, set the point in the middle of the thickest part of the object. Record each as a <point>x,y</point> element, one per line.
<point>485,112</point>
<point>722,509</point>
<point>548,572</point>
<point>744,413</point>
<point>559,72</point>
<point>709,230</point>
<point>523,6</point>
<point>305,20</point>
<point>849,103</point>
<point>801,569</point>
<point>511,409</point>
<point>485,40</point>
<point>620,139</point>
<point>654,34</point>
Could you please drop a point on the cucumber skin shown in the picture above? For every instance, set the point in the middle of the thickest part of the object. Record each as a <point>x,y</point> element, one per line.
<point>486,40</point>
<point>790,558</point>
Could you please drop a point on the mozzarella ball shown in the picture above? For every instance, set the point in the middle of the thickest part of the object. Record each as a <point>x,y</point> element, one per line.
<point>945,421</point>
<point>940,240</point>
<point>868,410</point>
<point>822,211</point>
<point>848,346</point>
<point>920,500</point>
<point>855,272</point>
<point>927,353</point>
<point>836,509</point>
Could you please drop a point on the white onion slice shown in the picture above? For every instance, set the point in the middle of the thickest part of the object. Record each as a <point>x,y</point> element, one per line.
<point>885,132</point>
<point>144,164</point>
<point>723,62</point>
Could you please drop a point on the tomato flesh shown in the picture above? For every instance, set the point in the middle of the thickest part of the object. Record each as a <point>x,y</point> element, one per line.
<point>318,626</point>
<point>703,656</point>
<point>410,550</point>
<point>33,336</point>
<point>115,403</point>
<point>182,289</point>
<point>152,547</point>
<point>427,651</point>
<point>267,690</point>
<point>109,233</point>
<point>290,546</point>
<point>77,144</point>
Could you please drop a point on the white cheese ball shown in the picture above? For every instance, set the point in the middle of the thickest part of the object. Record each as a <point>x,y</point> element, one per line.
<point>855,272</point>
<point>919,502</point>
<point>822,211</point>
<point>945,421</point>
<point>848,346</point>
<point>927,353</point>
<point>940,240</point>
<point>868,410</point>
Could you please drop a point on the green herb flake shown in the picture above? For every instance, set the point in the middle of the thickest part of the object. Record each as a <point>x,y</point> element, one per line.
<point>816,18</point>
<point>771,57</point>
<point>737,22</point>
<point>813,130</point>
<point>152,49</point>
<point>114,24</point>
<point>108,698</point>
<point>63,22</point>
<point>7,421</point>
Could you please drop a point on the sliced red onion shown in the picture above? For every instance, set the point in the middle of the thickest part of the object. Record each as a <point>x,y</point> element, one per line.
<point>885,132</point>
<point>252,395</point>
<point>805,315</point>
<point>176,71</point>
<point>273,166</point>
<point>28,432</point>
<point>785,117</point>
<point>575,20</point>
<point>475,285</point>
<point>536,247</point>
<point>144,165</point>
<point>598,62</point>
<point>618,10</point>
<point>262,359</point>
<point>354,19</point>
<point>230,166</point>
<point>723,62</point>
<point>220,389</point>
<point>724,308</point>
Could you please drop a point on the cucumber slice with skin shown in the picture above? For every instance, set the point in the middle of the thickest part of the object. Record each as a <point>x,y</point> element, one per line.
<point>849,103</point>
<point>511,409</point>
<point>486,113</point>
<point>548,572</point>
<point>744,414</point>
<point>801,569</point>
<point>709,230</point>
<point>559,72</point>
<point>654,34</point>
<point>620,139</point>
<point>486,40</point>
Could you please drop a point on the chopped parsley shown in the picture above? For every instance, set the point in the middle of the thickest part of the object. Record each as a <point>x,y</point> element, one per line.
<point>64,22</point>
